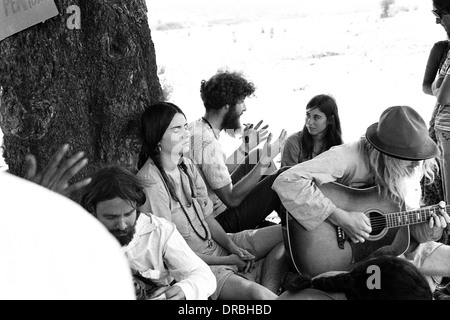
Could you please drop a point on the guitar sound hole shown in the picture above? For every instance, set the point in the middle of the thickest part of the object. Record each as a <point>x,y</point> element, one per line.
<point>378,223</point>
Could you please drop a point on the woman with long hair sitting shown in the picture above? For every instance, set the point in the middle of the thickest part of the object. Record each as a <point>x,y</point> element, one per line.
<point>248,264</point>
<point>322,130</point>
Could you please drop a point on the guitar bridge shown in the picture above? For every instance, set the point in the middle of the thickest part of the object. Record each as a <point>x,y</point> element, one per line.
<point>340,238</point>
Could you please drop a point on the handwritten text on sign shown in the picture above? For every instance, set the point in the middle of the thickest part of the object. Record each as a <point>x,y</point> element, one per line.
<point>17,15</point>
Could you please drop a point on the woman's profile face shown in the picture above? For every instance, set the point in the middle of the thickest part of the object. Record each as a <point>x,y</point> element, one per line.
<point>176,139</point>
<point>316,121</point>
<point>443,19</point>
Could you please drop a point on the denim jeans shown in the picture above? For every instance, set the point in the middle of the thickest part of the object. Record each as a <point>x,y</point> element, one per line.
<point>258,204</point>
<point>443,140</point>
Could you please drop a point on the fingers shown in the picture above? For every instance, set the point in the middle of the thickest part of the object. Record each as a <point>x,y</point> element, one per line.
<point>362,237</point>
<point>68,169</point>
<point>269,139</point>
<point>30,163</point>
<point>431,222</point>
<point>52,166</point>
<point>443,222</point>
<point>443,211</point>
<point>258,124</point>
<point>247,267</point>
<point>76,186</point>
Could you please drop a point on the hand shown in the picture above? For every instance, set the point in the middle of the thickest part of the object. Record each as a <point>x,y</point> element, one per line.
<point>54,178</point>
<point>271,150</point>
<point>241,253</point>
<point>244,260</point>
<point>169,292</point>
<point>356,225</point>
<point>252,137</point>
<point>439,221</point>
<point>244,265</point>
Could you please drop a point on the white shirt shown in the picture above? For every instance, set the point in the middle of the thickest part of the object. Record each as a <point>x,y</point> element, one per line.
<point>52,249</point>
<point>157,243</point>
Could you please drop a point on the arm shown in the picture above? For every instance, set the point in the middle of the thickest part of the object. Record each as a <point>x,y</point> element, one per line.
<point>157,198</point>
<point>193,275</point>
<point>290,152</point>
<point>432,67</point>
<point>237,256</point>
<point>233,195</point>
<point>298,190</point>
<point>251,138</point>
<point>441,87</point>
<point>157,202</point>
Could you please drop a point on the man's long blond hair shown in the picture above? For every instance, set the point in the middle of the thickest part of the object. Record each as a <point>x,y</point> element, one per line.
<point>390,173</point>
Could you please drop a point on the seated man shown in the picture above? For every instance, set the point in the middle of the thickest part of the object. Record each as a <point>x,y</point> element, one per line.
<point>112,197</point>
<point>154,247</point>
<point>240,190</point>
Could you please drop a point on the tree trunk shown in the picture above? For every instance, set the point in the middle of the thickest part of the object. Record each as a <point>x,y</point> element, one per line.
<point>86,87</point>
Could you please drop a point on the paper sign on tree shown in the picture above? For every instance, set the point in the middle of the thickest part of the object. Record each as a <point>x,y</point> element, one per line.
<point>17,15</point>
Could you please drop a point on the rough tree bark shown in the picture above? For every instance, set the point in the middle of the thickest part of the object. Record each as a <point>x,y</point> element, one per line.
<point>84,87</point>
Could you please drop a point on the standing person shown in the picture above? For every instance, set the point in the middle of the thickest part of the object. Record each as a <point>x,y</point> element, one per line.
<point>322,130</point>
<point>155,249</point>
<point>248,264</point>
<point>243,197</point>
<point>394,155</point>
<point>441,90</point>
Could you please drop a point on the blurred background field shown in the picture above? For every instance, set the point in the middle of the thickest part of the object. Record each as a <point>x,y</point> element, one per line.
<point>368,54</point>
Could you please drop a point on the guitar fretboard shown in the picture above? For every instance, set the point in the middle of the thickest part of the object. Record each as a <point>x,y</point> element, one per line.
<point>404,218</point>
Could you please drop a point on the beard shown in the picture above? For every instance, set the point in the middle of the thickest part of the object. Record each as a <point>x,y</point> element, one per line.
<point>124,236</point>
<point>232,120</point>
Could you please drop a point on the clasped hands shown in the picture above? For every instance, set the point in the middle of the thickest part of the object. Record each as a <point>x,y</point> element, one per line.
<point>243,259</point>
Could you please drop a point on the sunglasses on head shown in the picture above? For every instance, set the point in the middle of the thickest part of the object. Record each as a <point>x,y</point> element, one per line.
<point>438,13</point>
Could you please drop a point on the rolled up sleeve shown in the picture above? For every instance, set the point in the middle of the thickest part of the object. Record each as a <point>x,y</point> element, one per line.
<point>298,187</point>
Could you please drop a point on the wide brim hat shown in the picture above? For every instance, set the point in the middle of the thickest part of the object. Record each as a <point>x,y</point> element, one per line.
<point>402,133</point>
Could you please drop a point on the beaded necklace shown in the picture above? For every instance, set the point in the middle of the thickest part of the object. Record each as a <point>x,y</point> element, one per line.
<point>207,235</point>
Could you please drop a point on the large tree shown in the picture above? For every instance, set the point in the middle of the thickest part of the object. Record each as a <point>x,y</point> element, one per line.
<point>85,87</point>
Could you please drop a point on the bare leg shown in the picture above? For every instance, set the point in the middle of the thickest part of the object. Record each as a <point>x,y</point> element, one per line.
<point>260,242</point>
<point>239,288</point>
<point>276,264</point>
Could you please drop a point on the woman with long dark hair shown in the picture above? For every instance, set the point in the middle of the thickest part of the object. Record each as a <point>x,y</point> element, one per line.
<point>322,130</point>
<point>380,278</point>
<point>247,264</point>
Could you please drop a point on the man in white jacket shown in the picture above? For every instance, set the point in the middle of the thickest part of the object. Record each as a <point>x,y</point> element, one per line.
<point>155,249</point>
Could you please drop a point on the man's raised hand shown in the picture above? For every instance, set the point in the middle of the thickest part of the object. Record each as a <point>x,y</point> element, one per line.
<point>55,176</point>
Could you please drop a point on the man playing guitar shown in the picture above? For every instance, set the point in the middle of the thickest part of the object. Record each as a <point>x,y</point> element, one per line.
<point>394,155</point>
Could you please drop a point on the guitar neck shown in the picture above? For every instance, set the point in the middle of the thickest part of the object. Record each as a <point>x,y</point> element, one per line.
<point>404,218</point>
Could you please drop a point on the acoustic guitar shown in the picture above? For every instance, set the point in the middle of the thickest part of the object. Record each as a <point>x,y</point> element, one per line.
<point>316,251</point>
